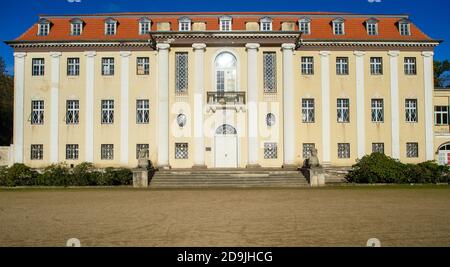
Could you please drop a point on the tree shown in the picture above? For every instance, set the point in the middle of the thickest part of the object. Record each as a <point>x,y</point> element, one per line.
<point>6,105</point>
<point>441,73</point>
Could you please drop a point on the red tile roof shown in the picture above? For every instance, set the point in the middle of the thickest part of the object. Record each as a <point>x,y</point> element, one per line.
<point>128,25</point>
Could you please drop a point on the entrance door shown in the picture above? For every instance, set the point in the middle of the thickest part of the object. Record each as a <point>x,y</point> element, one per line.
<point>225,147</point>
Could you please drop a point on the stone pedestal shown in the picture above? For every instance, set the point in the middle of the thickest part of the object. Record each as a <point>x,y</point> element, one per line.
<point>140,178</point>
<point>316,177</point>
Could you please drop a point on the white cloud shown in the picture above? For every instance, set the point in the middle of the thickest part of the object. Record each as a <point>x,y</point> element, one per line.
<point>74,1</point>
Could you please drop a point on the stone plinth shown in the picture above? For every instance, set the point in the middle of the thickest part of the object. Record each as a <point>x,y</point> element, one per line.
<point>140,178</point>
<point>316,177</point>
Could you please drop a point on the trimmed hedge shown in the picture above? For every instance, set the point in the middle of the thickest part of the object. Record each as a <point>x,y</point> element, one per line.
<point>379,168</point>
<point>60,175</point>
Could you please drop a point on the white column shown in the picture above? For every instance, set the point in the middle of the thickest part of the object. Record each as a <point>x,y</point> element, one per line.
<point>428,91</point>
<point>89,109</point>
<point>325,73</point>
<point>288,106</point>
<point>163,105</point>
<point>395,118</point>
<point>19,76</point>
<point>199,83</point>
<point>54,106</point>
<point>252,106</point>
<point>360,104</point>
<point>124,105</point>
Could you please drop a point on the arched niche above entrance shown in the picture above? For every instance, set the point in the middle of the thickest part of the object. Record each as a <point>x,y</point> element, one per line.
<point>226,129</point>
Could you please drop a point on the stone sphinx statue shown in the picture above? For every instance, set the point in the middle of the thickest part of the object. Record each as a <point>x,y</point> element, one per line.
<point>313,160</point>
<point>143,158</point>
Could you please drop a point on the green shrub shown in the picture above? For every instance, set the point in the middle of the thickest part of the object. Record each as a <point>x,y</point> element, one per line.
<point>85,174</point>
<point>55,175</point>
<point>4,176</point>
<point>113,176</point>
<point>20,175</point>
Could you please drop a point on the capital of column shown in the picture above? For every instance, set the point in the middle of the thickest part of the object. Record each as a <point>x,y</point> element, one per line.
<point>288,46</point>
<point>162,46</point>
<point>20,54</point>
<point>252,46</point>
<point>55,54</point>
<point>125,53</point>
<point>324,53</point>
<point>394,53</point>
<point>90,53</point>
<point>427,53</point>
<point>199,46</point>
<point>359,53</point>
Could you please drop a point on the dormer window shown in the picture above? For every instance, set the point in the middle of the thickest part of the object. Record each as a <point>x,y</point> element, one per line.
<point>110,26</point>
<point>43,27</point>
<point>372,26</point>
<point>225,23</point>
<point>266,24</point>
<point>338,26</point>
<point>184,24</point>
<point>76,27</point>
<point>304,25</point>
<point>404,26</point>
<point>144,26</point>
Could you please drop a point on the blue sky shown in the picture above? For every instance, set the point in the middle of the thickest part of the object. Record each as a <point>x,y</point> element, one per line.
<point>432,16</point>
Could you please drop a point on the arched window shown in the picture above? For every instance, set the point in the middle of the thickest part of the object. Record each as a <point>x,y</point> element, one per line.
<point>225,71</point>
<point>226,129</point>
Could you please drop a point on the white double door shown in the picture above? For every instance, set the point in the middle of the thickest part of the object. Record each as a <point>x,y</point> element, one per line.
<point>226,151</point>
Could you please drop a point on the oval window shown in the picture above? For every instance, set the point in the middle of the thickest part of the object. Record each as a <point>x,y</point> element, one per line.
<point>181,120</point>
<point>270,119</point>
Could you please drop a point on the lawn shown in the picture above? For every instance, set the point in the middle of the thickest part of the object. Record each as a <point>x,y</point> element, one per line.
<point>332,216</point>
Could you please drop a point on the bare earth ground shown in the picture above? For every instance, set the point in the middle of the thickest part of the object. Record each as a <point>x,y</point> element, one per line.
<point>341,216</point>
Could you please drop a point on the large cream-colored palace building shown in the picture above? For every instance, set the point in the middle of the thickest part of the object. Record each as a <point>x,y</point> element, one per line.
<point>226,90</point>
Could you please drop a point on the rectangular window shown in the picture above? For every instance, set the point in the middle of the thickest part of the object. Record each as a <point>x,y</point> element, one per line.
<point>412,150</point>
<point>270,151</point>
<point>144,27</point>
<point>378,148</point>
<point>376,65</point>
<point>107,66</point>
<point>377,110</point>
<point>72,111</point>
<point>76,29</point>
<point>343,110</point>
<point>110,28</point>
<point>181,72</point>
<point>410,66</point>
<point>304,26</point>
<point>344,150</point>
<point>145,150</point>
<point>307,65</point>
<point>404,29</point>
<point>220,77</point>
<point>307,110</point>
<point>307,148</point>
<point>43,29</point>
<point>142,111</point>
<point>107,151</point>
<point>225,25</point>
<point>107,111</point>
<point>441,115</point>
<point>338,28</point>
<point>372,29</point>
<point>38,67</point>
<point>266,26</point>
<point>270,72</point>
<point>37,152</point>
<point>73,66</point>
<point>181,150</point>
<point>342,66</point>
<point>37,112</point>
<point>143,66</point>
<point>184,26</point>
<point>411,110</point>
<point>72,152</point>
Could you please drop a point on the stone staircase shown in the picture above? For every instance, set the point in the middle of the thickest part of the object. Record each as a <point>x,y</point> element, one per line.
<point>216,178</point>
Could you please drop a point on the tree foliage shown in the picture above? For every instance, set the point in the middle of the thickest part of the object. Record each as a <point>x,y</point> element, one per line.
<point>441,73</point>
<point>6,105</point>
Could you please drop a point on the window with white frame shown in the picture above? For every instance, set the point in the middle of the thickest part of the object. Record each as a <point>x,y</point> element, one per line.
<point>404,28</point>
<point>307,65</point>
<point>410,66</point>
<point>342,65</point>
<point>76,27</point>
<point>308,110</point>
<point>110,27</point>
<point>270,151</point>
<point>181,150</point>
<point>378,148</point>
<point>107,111</point>
<point>37,112</point>
<point>307,148</point>
<point>72,151</point>
<point>72,111</point>
<point>144,26</point>
<point>184,24</point>
<point>372,27</point>
<point>37,152</point>
<point>143,66</point>
<point>441,115</point>
<point>73,66</point>
<point>304,26</point>
<point>376,65</point>
<point>265,24</point>
<point>338,27</point>
<point>412,150</point>
<point>107,66</point>
<point>343,110</point>
<point>181,72</point>
<point>270,72</point>
<point>144,148</point>
<point>43,27</point>
<point>142,111</point>
<point>377,110</point>
<point>344,150</point>
<point>411,110</point>
<point>38,67</point>
<point>225,24</point>
<point>107,151</point>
